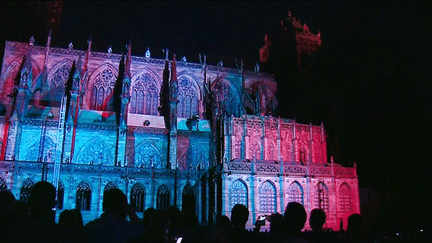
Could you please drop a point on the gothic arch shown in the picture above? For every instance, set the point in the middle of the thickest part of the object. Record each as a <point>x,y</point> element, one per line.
<point>255,150</point>
<point>189,95</point>
<point>148,155</point>
<point>95,152</point>
<point>238,193</point>
<point>48,150</point>
<point>268,197</point>
<point>145,91</point>
<point>60,195</point>
<point>3,184</point>
<point>322,197</point>
<point>100,86</point>
<point>196,159</point>
<point>228,96</point>
<point>345,198</point>
<point>26,189</point>
<point>271,151</point>
<point>163,198</point>
<point>57,78</point>
<point>188,198</point>
<point>137,197</point>
<point>295,193</point>
<point>83,196</point>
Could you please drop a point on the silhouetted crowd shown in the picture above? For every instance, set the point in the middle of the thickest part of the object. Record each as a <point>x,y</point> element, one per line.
<point>35,222</point>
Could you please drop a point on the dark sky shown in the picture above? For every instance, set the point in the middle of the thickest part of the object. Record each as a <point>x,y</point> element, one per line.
<point>379,54</point>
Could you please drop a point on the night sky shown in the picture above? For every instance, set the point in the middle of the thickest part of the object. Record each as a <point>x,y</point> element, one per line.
<point>378,55</point>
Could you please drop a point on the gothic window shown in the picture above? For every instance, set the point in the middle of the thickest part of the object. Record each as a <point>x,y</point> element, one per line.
<point>137,197</point>
<point>60,195</point>
<point>110,185</point>
<point>83,196</point>
<point>96,152</point>
<point>102,90</point>
<point>147,156</point>
<point>295,193</point>
<point>163,198</point>
<point>144,95</point>
<point>188,199</point>
<point>224,95</point>
<point>3,185</point>
<point>44,153</point>
<point>344,198</point>
<point>239,193</point>
<point>237,148</point>
<point>58,81</point>
<point>268,198</point>
<point>321,197</point>
<point>255,151</point>
<point>196,158</point>
<point>303,154</point>
<point>25,190</point>
<point>271,151</point>
<point>187,96</point>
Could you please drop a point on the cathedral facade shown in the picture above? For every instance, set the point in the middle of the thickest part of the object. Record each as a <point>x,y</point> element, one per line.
<point>165,131</point>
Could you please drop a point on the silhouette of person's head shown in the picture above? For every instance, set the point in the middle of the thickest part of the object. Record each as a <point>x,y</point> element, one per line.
<point>355,224</point>
<point>317,219</point>
<point>294,217</point>
<point>239,216</point>
<point>148,215</point>
<point>222,223</point>
<point>115,203</point>
<point>276,223</point>
<point>42,199</point>
<point>68,219</point>
<point>7,203</point>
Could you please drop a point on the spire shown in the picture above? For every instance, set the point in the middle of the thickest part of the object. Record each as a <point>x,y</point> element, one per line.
<point>174,69</point>
<point>129,59</point>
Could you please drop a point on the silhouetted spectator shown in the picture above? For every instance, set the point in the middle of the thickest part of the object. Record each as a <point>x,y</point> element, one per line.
<point>147,216</point>
<point>7,220</point>
<point>40,225</point>
<point>276,227</point>
<point>71,227</point>
<point>239,217</point>
<point>316,222</point>
<point>112,226</point>
<point>295,218</point>
<point>190,221</point>
<point>176,223</point>
<point>355,229</point>
<point>158,228</point>
<point>221,229</point>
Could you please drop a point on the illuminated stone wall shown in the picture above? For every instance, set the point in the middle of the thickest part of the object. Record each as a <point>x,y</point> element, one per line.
<point>229,149</point>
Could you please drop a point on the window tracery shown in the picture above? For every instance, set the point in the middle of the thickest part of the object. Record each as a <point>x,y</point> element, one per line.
<point>196,158</point>
<point>96,152</point>
<point>163,198</point>
<point>144,95</point>
<point>238,193</point>
<point>83,196</point>
<point>268,198</point>
<point>137,197</point>
<point>47,153</point>
<point>102,90</point>
<point>187,96</point>
<point>3,185</point>
<point>26,189</point>
<point>147,156</point>
<point>321,197</point>
<point>295,193</point>
<point>345,198</point>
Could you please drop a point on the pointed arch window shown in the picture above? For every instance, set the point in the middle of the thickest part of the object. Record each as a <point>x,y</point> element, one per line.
<point>345,198</point>
<point>268,198</point>
<point>237,148</point>
<point>321,197</point>
<point>147,156</point>
<point>137,197</point>
<point>58,82</point>
<point>163,198</point>
<point>238,193</point>
<point>83,196</point>
<point>295,193</point>
<point>60,195</point>
<point>303,154</point>
<point>3,185</point>
<point>25,190</point>
<point>144,95</point>
<point>255,151</point>
<point>188,199</point>
<point>187,96</point>
<point>96,152</point>
<point>102,90</point>
<point>196,158</point>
